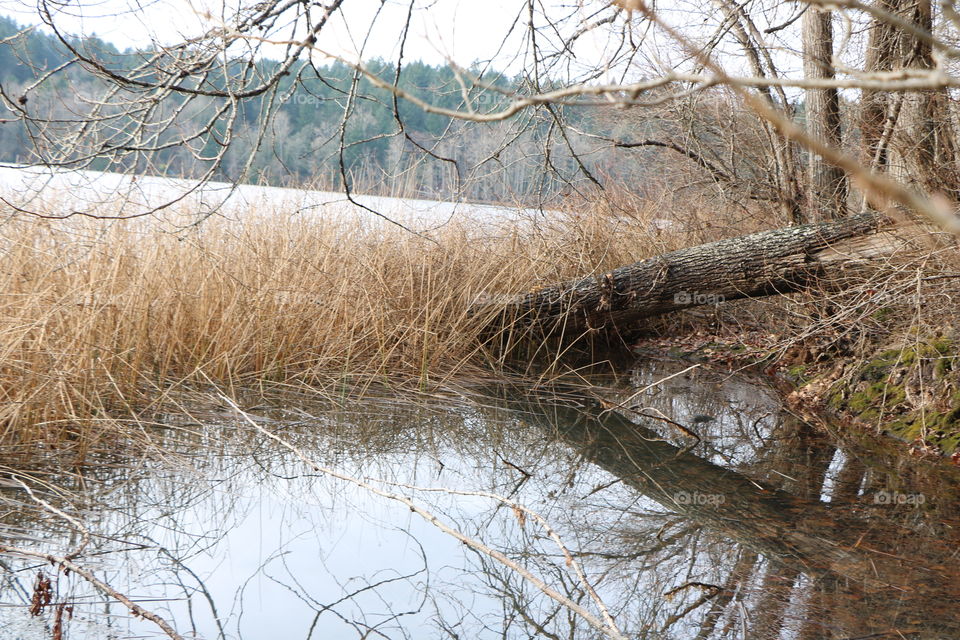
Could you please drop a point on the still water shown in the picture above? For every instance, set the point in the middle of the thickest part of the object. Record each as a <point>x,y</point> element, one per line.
<point>669,502</point>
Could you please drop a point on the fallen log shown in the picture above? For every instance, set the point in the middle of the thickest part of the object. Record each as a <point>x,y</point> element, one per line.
<point>760,264</point>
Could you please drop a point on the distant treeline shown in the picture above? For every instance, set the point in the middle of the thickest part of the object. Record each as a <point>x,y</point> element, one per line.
<point>326,126</point>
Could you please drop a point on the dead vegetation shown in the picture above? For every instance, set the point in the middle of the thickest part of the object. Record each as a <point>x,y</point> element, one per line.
<point>100,322</point>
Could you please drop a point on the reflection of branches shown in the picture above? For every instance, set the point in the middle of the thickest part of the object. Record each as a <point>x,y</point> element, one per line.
<point>710,591</point>
<point>221,632</point>
<point>515,603</point>
<point>68,565</point>
<point>320,608</point>
<point>606,625</point>
<point>84,533</point>
<point>522,513</point>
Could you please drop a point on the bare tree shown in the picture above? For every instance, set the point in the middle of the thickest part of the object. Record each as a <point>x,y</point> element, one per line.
<point>909,133</point>
<point>212,95</point>
<point>827,192</point>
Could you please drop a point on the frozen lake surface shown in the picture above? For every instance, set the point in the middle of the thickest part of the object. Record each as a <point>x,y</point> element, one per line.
<point>59,192</point>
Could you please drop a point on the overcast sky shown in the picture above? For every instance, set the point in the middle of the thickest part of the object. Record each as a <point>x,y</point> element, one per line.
<point>462,31</point>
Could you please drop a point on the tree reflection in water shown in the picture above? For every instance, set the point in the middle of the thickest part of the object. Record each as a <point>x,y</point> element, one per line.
<point>763,528</point>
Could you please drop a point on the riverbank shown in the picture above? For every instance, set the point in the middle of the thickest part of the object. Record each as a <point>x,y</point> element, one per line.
<point>903,382</point>
<point>230,370</point>
<point>102,321</point>
<point>908,391</point>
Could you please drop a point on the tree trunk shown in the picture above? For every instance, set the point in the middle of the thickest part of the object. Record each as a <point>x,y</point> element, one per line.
<point>910,134</point>
<point>878,112</point>
<point>783,150</point>
<point>827,184</point>
<point>760,264</point>
<point>925,143</point>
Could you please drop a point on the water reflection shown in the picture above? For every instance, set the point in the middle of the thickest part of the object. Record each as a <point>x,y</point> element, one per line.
<point>747,524</point>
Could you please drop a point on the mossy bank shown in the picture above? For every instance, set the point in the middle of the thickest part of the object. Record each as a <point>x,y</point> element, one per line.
<point>910,391</point>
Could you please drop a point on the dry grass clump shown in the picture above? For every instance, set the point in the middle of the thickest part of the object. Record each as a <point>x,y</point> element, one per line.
<point>99,320</point>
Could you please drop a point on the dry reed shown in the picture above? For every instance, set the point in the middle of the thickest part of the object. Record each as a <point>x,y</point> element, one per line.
<point>98,321</point>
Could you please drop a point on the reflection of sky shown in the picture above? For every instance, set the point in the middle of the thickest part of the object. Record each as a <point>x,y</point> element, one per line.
<point>272,543</point>
<point>268,547</point>
<point>318,538</point>
<point>278,545</point>
<point>742,415</point>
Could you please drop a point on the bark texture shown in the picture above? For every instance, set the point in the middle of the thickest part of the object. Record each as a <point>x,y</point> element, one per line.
<point>926,141</point>
<point>878,109</point>
<point>827,184</point>
<point>760,264</point>
<point>910,134</point>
